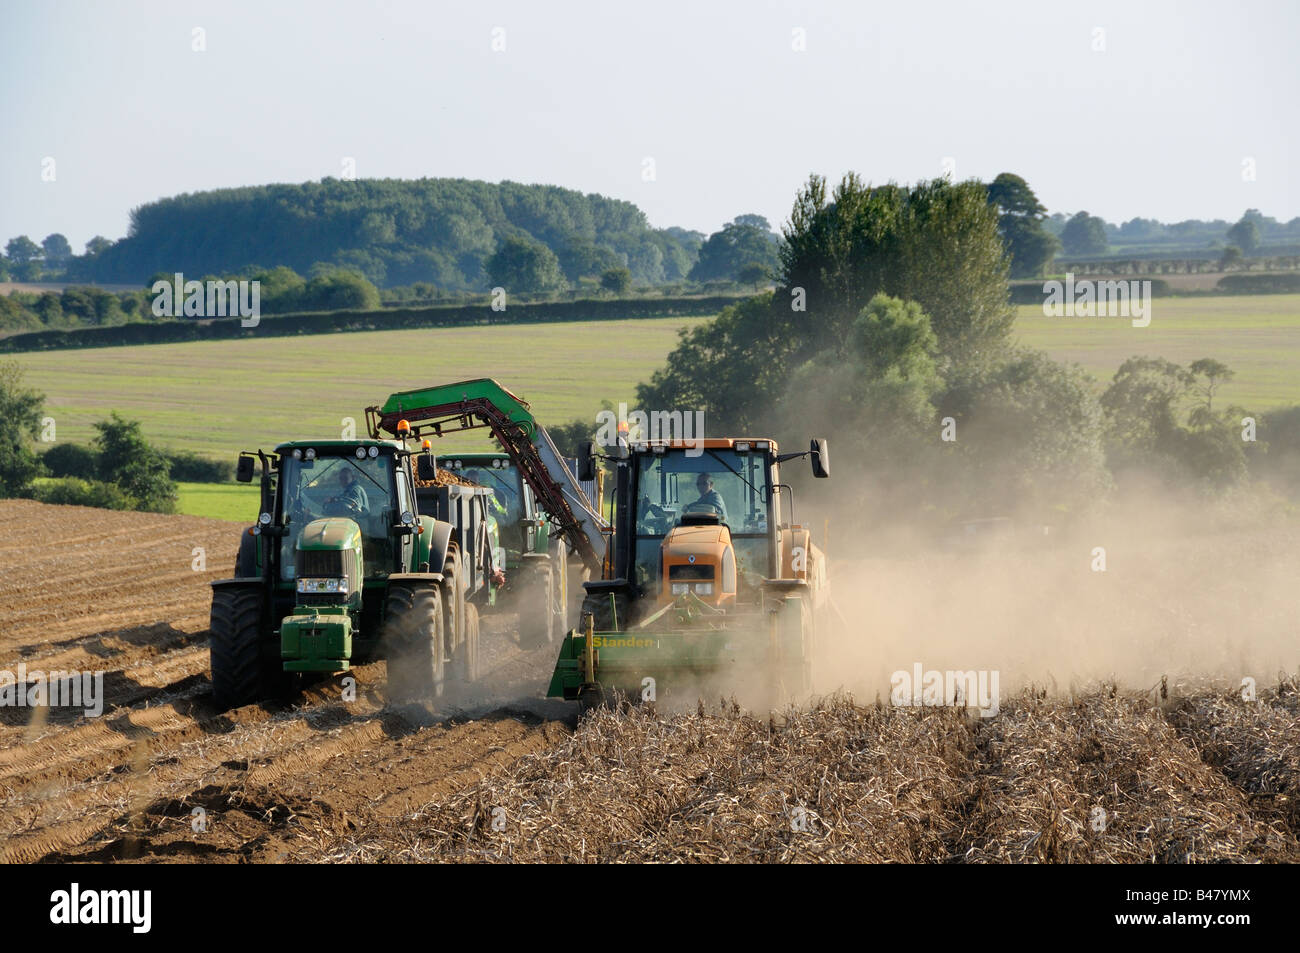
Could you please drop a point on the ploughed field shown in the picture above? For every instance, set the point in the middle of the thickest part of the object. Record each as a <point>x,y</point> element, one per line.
<point>1195,775</point>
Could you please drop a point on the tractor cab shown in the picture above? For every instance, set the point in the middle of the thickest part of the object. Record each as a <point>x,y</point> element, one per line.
<point>701,518</point>
<point>707,574</point>
<point>340,496</point>
<point>513,504</point>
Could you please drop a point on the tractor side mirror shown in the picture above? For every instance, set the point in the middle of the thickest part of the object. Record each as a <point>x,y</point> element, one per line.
<point>426,468</point>
<point>586,462</point>
<point>244,469</point>
<point>821,461</point>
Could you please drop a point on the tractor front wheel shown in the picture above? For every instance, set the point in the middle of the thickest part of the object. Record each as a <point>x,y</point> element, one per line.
<point>414,637</point>
<point>241,674</point>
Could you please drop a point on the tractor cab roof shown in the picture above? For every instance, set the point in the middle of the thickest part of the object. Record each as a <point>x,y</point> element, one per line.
<point>291,445</point>
<point>740,444</point>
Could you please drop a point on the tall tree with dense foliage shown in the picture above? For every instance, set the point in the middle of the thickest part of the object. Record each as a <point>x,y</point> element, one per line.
<point>1020,223</point>
<point>21,250</point>
<point>1161,422</point>
<point>935,243</point>
<point>616,280</point>
<point>1084,234</point>
<point>20,422</point>
<point>525,267</point>
<point>1245,235</point>
<point>128,460</point>
<point>56,248</point>
<point>744,241</point>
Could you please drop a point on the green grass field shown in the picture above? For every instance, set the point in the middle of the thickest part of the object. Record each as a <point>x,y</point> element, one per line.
<point>217,397</point>
<point>1258,336</point>
<point>223,501</point>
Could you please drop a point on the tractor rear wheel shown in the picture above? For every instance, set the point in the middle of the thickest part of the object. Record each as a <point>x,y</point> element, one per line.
<point>536,618</point>
<point>414,643</point>
<point>451,604</point>
<point>241,674</point>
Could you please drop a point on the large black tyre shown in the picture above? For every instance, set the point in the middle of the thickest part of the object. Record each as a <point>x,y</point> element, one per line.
<point>414,643</point>
<point>608,611</point>
<point>466,657</point>
<point>241,674</point>
<point>536,620</point>
<point>452,603</point>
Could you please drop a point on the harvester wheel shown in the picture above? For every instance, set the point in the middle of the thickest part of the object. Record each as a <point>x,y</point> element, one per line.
<point>240,673</point>
<point>536,620</point>
<point>414,640</point>
<point>467,655</point>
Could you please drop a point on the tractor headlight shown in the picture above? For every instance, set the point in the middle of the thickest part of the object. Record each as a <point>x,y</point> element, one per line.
<point>681,588</point>
<point>372,452</point>
<point>323,585</point>
<point>704,588</point>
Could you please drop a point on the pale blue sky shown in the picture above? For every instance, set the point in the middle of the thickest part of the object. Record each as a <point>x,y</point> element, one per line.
<point>1156,125</point>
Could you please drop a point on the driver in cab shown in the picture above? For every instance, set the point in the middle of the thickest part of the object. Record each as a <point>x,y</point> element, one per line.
<point>350,493</point>
<point>709,496</point>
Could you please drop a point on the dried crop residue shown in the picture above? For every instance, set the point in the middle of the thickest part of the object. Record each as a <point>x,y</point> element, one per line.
<point>161,775</point>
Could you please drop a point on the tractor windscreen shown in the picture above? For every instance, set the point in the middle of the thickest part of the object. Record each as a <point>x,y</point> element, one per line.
<point>359,488</point>
<point>723,482</point>
<point>504,483</point>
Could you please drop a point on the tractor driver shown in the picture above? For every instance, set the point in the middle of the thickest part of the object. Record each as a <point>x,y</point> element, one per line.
<point>351,494</point>
<point>709,496</point>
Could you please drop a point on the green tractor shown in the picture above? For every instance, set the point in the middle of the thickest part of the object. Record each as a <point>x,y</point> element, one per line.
<point>540,570</point>
<point>341,568</point>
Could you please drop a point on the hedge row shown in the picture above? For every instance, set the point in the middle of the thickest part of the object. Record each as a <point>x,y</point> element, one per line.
<point>1031,292</point>
<point>1260,284</point>
<point>389,319</point>
<point>74,461</point>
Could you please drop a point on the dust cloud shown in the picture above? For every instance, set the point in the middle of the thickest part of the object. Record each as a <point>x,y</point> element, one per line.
<point>1134,592</point>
